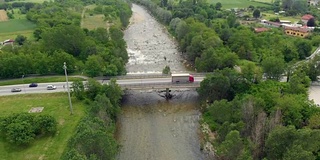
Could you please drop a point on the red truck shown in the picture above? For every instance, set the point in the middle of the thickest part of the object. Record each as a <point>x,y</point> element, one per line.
<point>182,78</point>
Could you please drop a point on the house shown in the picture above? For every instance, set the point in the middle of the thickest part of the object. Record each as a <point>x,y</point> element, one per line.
<point>297,31</point>
<point>305,18</point>
<point>259,30</point>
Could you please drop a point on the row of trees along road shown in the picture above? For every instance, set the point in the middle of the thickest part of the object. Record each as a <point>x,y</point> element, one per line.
<point>252,118</point>
<point>94,136</point>
<point>59,38</point>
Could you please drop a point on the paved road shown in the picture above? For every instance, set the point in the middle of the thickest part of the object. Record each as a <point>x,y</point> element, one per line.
<point>42,87</point>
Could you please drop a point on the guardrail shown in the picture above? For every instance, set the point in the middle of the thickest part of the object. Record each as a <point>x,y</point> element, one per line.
<point>144,76</point>
<point>144,86</point>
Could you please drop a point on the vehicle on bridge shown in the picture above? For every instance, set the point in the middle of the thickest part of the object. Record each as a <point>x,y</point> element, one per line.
<point>182,78</point>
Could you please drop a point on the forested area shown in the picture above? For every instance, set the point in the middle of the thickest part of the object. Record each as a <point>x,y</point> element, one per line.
<point>59,38</point>
<point>251,114</point>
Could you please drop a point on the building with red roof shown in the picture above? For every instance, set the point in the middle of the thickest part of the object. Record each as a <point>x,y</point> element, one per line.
<point>305,18</point>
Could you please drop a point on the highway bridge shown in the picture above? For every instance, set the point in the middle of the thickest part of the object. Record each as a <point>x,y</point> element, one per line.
<point>130,82</point>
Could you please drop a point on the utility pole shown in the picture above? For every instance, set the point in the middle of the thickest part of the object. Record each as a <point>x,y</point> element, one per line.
<point>68,89</point>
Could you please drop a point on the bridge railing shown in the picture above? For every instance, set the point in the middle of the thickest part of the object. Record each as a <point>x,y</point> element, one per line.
<point>143,76</point>
<point>160,85</point>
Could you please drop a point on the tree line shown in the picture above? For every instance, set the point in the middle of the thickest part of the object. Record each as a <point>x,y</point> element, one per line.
<point>94,135</point>
<point>59,38</point>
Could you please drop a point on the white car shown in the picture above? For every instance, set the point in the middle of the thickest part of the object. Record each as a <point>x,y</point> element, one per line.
<point>51,87</point>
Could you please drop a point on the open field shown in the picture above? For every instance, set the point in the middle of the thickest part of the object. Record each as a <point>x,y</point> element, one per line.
<point>56,105</point>
<point>228,4</point>
<point>13,35</point>
<point>15,25</point>
<point>38,80</point>
<point>93,22</point>
<point>35,1</point>
<point>268,16</point>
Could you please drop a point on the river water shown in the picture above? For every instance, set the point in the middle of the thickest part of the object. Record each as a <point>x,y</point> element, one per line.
<point>149,46</point>
<point>150,127</point>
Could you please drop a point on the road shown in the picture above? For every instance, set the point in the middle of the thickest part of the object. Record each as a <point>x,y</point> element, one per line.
<point>42,87</point>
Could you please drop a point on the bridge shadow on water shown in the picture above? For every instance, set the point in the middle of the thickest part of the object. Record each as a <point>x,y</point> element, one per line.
<point>153,97</point>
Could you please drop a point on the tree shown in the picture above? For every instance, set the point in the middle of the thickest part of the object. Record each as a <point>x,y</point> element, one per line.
<point>256,13</point>
<point>304,48</point>
<point>166,70</point>
<point>93,88</point>
<point>78,89</point>
<point>273,67</point>
<point>94,66</point>
<point>20,132</point>
<point>214,87</point>
<point>279,140</point>
<point>68,38</point>
<point>231,146</point>
<point>218,6</point>
<point>45,124</point>
<point>311,22</point>
<point>20,39</point>
<point>296,152</point>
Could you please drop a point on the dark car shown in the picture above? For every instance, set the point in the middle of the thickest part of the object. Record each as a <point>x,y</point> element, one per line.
<point>15,90</point>
<point>33,85</point>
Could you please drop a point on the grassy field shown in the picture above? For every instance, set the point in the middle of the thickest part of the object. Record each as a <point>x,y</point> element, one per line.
<point>93,22</point>
<point>268,16</point>
<point>15,25</point>
<point>35,1</point>
<point>228,4</point>
<point>38,80</point>
<point>56,105</point>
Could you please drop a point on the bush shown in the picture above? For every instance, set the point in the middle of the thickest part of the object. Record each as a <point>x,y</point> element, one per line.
<point>22,128</point>
<point>166,70</point>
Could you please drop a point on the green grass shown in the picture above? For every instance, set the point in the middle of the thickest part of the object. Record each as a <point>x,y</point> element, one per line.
<point>13,35</point>
<point>38,80</point>
<point>35,1</point>
<point>268,16</point>
<point>15,25</point>
<point>228,4</point>
<point>56,105</point>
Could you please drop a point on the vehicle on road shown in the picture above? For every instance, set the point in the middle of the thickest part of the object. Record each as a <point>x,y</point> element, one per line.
<point>16,90</point>
<point>182,78</point>
<point>33,85</point>
<point>51,87</point>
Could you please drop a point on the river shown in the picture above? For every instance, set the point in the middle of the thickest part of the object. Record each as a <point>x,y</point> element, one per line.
<point>150,127</point>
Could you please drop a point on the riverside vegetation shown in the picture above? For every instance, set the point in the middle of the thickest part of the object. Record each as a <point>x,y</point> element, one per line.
<point>250,118</point>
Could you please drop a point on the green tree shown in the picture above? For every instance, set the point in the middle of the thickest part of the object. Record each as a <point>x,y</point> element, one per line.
<point>231,146</point>
<point>20,39</point>
<point>93,88</point>
<point>279,140</point>
<point>296,152</point>
<point>218,6</point>
<point>20,132</point>
<point>94,66</point>
<point>273,67</point>
<point>166,70</point>
<point>45,124</point>
<point>256,13</point>
<point>78,89</point>
<point>68,38</point>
